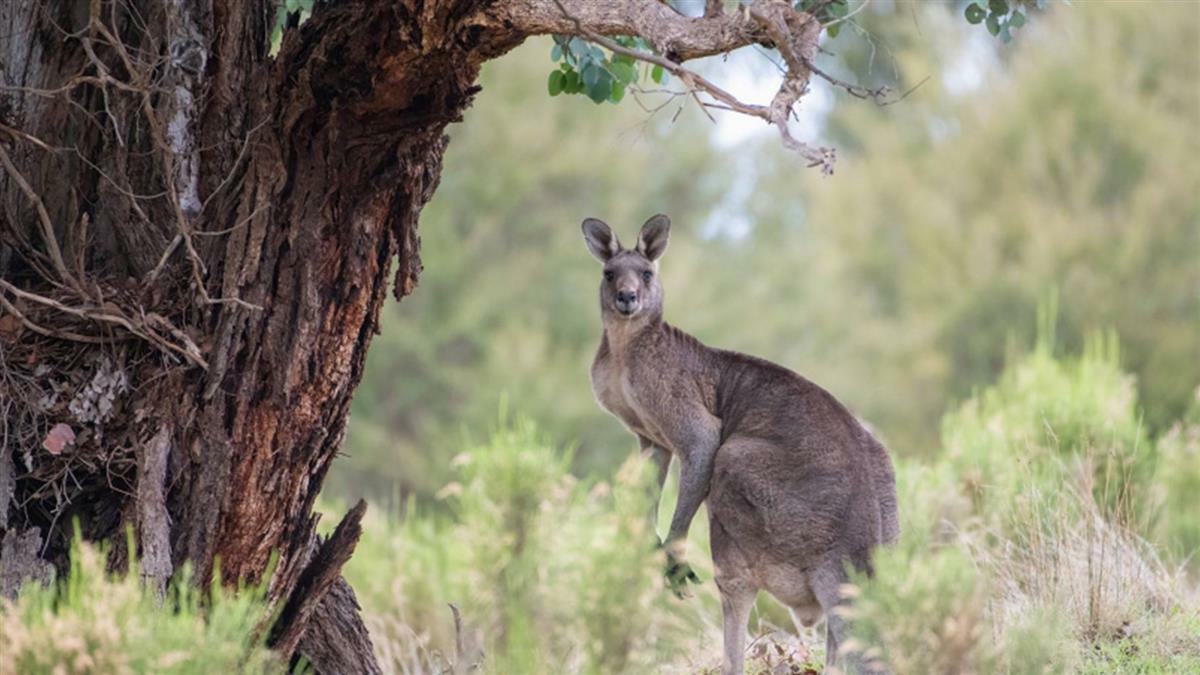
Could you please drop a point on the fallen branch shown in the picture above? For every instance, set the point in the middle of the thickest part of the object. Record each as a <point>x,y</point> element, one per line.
<point>317,579</point>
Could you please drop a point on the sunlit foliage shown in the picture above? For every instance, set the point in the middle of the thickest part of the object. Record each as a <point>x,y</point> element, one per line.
<point>91,621</point>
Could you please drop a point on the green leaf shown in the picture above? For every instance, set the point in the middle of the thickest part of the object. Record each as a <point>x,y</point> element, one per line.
<point>838,8</point>
<point>1017,20</point>
<point>556,52</point>
<point>555,84</point>
<point>999,7</point>
<point>573,85</point>
<point>656,74</point>
<point>618,92</point>
<point>575,50</point>
<point>833,30</point>
<point>993,24</point>
<point>591,75</point>
<point>600,91</point>
<point>623,72</point>
<point>974,13</point>
<point>1006,34</point>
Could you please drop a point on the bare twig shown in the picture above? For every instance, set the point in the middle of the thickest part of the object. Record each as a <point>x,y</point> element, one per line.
<point>774,20</point>
<point>43,217</point>
<point>141,328</point>
<point>849,15</point>
<point>25,321</point>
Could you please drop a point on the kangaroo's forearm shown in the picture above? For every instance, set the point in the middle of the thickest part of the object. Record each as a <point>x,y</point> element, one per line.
<point>662,462</point>
<point>694,477</point>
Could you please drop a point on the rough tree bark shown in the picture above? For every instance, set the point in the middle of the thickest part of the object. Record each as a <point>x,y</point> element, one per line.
<point>196,237</point>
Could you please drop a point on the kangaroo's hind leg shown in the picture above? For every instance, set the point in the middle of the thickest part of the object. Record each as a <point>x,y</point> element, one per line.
<point>735,614</point>
<point>738,592</point>
<point>826,585</point>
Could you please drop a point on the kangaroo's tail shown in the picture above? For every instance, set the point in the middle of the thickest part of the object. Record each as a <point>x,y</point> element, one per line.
<point>883,476</point>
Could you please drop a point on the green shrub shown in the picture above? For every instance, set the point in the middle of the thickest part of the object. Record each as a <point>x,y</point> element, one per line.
<point>922,613</point>
<point>1050,419</point>
<point>1020,549</point>
<point>1038,642</point>
<point>550,574</point>
<point>1179,484</point>
<point>93,622</point>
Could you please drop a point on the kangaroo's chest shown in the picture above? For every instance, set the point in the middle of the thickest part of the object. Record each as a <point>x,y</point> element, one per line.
<point>614,392</point>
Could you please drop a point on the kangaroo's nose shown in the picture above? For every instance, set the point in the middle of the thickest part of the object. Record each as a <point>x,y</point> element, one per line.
<point>626,297</point>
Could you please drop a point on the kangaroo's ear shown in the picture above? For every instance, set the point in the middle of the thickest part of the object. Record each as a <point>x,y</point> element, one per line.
<point>600,239</point>
<point>652,242</point>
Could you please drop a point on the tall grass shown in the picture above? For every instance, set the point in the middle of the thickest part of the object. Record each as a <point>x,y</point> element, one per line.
<point>550,574</point>
<point>1028,546</point>
<point>1178,486</point>
<point>94,622</point>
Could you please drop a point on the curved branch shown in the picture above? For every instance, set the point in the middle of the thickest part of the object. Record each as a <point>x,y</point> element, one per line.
<point>679,38</point>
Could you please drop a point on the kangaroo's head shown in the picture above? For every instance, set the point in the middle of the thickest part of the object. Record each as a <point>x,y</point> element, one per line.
<point>630,287</point>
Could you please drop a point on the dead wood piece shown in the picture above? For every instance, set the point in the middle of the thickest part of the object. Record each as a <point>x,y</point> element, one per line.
<point>322,572</point>
<point>337,640</point>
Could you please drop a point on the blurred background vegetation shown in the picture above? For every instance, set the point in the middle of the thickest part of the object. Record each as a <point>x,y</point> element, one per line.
<point>1062,163</point>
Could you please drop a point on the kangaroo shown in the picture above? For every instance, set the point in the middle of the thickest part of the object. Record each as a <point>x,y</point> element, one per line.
<point>797,488</point>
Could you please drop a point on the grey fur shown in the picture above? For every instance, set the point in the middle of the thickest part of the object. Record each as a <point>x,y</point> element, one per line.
<point>797,487</point>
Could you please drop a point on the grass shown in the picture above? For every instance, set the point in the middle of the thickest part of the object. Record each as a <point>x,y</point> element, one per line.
<point>95,622</point>
<point>1052,536</point>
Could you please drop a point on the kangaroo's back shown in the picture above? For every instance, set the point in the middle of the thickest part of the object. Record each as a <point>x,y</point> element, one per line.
<point>804,476</point>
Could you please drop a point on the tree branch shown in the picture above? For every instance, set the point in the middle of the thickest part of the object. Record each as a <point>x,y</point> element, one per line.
<point>795,35</point>
<point>771,22</point>
<point>677,37</point>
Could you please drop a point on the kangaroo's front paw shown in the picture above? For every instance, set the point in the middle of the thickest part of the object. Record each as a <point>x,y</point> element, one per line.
<point>678,575</point>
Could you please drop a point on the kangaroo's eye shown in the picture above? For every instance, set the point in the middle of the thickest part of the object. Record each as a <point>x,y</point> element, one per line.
<point>647,276</point>
<point>608,275</point>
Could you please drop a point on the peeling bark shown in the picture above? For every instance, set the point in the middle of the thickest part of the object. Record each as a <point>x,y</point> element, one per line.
<point>153,521</point>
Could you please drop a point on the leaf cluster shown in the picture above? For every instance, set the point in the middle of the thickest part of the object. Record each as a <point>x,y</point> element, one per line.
<point>1000,17</point>
<point>601,76</point>
<point>827,12</point>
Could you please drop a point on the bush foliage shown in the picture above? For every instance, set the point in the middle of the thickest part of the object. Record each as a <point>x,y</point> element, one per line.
<point>1029,545</point>
<point>91,621</point>
<point>550,573</point>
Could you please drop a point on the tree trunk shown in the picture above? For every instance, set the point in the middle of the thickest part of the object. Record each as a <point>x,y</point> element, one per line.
<point>196,243</point>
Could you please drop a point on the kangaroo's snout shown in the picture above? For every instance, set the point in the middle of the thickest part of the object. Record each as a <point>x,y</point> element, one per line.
<point>627,302</point>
